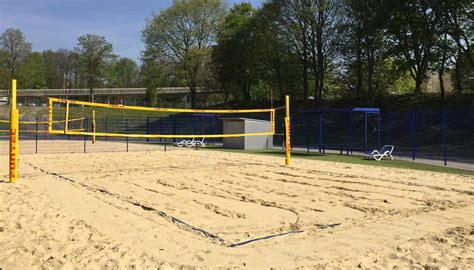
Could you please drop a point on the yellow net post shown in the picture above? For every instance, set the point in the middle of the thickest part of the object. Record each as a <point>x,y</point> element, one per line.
<point>93,126</point>
<point>287,133</point>
<point>66,117</point>
<point>13,136</point>
<point>50,115</point>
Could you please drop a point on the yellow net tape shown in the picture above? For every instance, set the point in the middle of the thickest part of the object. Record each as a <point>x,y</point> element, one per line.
<point>170,110</point>
<point>42,122</point>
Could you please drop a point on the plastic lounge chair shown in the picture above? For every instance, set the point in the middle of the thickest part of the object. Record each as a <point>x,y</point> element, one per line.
<point>183,143</point>
<point>195,143</point>
<point>385,152</point>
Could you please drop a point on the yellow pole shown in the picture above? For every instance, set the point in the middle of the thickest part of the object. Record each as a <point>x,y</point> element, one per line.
<point>50,115</point>
<point>13,136</point>
<point>273,121</point>
<point>93,126</point>
<point>287,133</point>
<point>66,117</point>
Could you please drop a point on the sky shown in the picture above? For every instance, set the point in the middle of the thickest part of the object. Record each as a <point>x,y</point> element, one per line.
<point>54,24</point>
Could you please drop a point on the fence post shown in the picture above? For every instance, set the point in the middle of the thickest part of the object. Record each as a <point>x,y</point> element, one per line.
<point>36,136</point>
<point>445,136</point>
<point>320,131</point>
<point>307,132</point>
<point>389,125</point>
<point>378,130</point>
<point>365,133</point>
<point>413,134</point>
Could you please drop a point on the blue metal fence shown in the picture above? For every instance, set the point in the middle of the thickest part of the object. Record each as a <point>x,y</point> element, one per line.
<point>445,134</point>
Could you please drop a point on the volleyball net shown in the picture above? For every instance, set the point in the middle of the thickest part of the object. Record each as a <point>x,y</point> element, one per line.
<point>39,126</point>
<point>73,117</point>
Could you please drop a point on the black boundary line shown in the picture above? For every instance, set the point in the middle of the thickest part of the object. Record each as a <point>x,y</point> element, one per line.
<point>181,224</point>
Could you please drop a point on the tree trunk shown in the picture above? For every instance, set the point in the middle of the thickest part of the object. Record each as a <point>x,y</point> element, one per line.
<point>226,95</point>
<point>192,90</point>
<point>246,91</point>
<point>418,83</point>
<point>359,73</point>
<point>92,94</point>
<point>457,73</point>
<point>370,79</point>
<point>319,45</point>
<point>305,65</point>
<point>305,79</point>
<point>279,79</point>
<point>370,70</point>
<point>441,68</point>
<point>441,82</point>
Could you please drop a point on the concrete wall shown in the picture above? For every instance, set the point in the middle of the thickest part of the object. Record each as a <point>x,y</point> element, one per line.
<point>245,125</point>
<point>233,126</point>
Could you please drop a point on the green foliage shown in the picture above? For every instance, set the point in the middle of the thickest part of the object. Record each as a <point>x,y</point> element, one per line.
<point>93,53</point>
<point>151,94</point>
<point>413,26</point>
<point>325,49</point>
<point>234,58</point>
<point>182,36</point>
<point>123,73</point>
<point>14,45</point>
<point>32,73</point>
<point>4,74</point>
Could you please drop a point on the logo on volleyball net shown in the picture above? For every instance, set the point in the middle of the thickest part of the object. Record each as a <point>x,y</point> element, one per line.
<point>107,120</point>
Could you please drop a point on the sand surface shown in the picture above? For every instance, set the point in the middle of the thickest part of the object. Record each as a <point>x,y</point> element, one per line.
<point>211,209</point>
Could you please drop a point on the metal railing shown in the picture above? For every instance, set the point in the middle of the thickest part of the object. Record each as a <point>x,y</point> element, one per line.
<point>103,91</point>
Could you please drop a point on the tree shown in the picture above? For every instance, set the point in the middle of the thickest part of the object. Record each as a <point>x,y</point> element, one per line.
<point>458,17</point>
<point>14,44</point>
<point>365,46</point>
<point>65,62</point>
<point>93,53</point>
<point>294,26</point>
<point>4,73</point>
<point>123,73</point>
<point>58,65</point>
<point>275,63</point>
<point>182,36</point>
<point>234,56</point>
<point>32,72</point>
<point>413,25</point>
<point>324,20</point>
<point>151,93</point>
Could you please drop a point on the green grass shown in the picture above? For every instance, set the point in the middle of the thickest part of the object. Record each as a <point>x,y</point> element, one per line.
<point>353,159</point>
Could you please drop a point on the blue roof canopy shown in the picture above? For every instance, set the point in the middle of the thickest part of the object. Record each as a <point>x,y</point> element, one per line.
<point>367,110</point>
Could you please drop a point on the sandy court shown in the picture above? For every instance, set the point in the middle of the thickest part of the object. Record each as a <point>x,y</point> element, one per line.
<point>214,209</point>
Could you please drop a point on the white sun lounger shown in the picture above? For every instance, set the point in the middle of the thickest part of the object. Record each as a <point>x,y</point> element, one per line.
<point>385,152</point>
<point>191,143</point>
